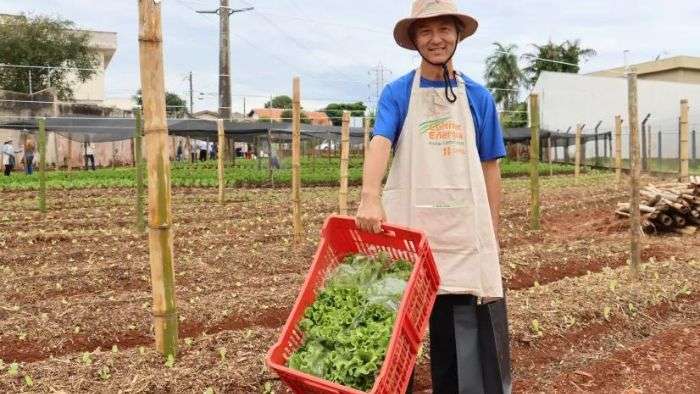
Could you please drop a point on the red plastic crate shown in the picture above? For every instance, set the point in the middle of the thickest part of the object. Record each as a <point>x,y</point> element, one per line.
<point>340,238</point>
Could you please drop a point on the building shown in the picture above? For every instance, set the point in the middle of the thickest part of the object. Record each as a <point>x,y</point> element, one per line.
<point>317,118</point>
<point>567,100</point>
<point>682,69</point>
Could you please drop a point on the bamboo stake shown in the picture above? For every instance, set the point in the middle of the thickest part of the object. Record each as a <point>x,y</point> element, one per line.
<point>549,155</point>
<point>618,149</point>
<point>159,212</point>
<point>296,159</point>
<point>683,176</point>
<point>42,164</point>
<point>269,157</point>
<point>577,158</point>
<point>534,162</point>
<point>138,161</point>
<point>635,169</point>
<point>220,157</point>
<point>69,166</point>
<point>344,155</point>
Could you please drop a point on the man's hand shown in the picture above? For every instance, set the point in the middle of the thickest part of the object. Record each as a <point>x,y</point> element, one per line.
<point>370,214</point>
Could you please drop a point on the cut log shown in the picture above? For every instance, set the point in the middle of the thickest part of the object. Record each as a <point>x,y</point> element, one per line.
<point>679,221</point>
<point>664,220</point>
<point>688,230</point>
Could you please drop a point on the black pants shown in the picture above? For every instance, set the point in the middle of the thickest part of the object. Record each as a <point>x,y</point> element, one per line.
<point>8,169</point>
<point>91,160</point>
<point>455,364</point>
<point>202,155</point>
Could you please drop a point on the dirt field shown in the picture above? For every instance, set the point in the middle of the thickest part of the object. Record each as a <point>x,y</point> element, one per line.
<point>75,311</point>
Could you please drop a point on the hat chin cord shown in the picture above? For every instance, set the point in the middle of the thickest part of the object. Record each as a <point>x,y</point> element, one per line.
<point>450,94</point>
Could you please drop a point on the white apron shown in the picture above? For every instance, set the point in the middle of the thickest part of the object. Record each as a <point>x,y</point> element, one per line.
<point>436,184</point>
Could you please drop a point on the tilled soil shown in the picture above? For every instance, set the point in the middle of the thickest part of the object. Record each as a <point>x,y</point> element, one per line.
<point>78,280</point>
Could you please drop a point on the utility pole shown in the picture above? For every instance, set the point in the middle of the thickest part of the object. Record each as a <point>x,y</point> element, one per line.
<point>224,11</point>
<point>191,96</point>
<point>379,73</point>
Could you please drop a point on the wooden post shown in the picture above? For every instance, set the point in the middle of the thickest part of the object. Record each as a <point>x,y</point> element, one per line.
<point>138,162</point>
<point>366,137</point>
<point>220,158</point>
<point>618,149</point>
<point>55,151</point>
<point>114,154</point>
<point>69,166</point>
<point>269,157</point>
<point>296,159</point>
<point>159,212</point>
<point>42,164</point>
<point>684,167</point>
<point>577,158</point>
<point>344,155</point>
<point>534,162</point>
<point>635,170</point>
<point>549,155</point>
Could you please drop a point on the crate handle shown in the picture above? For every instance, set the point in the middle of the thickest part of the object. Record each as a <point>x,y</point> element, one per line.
<point>320,387</point>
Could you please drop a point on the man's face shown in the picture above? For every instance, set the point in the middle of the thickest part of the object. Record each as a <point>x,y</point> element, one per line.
<point>435,38</point>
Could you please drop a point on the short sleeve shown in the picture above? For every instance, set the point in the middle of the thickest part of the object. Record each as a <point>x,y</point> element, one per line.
<point>490,137</point>
<point>388,116</point>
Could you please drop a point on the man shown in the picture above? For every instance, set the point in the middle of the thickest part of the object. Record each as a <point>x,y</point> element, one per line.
<point>445,180</point>
<point>89,155</point>
<point>9,157</point>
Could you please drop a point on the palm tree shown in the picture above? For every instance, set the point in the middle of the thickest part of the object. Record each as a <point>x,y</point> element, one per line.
<point>503,75</point>
<point>567,52</point>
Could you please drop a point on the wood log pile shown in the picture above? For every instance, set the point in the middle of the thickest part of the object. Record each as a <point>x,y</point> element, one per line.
<point>672,207</point>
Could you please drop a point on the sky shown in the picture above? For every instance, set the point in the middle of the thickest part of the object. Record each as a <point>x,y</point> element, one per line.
<point>333,45</point>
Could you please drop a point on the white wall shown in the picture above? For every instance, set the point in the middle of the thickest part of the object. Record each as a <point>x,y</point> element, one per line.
<point>569,99</point>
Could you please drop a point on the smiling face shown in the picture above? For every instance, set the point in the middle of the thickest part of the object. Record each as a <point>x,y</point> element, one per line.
<point>435,38</point>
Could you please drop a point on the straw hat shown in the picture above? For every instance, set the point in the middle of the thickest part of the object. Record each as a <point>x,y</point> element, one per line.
<point>424,9</point>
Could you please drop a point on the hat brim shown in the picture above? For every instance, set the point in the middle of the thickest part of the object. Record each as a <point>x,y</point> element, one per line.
<point>403,37</point>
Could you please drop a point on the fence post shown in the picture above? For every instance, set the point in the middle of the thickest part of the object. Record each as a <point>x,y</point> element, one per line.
<point>138,162</point>
<point>42,164</point>
<point>160,223</point>
<point>618,149</point>
<point>296,162</point>
<point>635,224</point>
<point>695,148</point>
<point>344,156</point>
<point>578,156</point>
<point>221,142</point>
<point>659,159</point>
<point>534,162</point>
<point>683,175</point>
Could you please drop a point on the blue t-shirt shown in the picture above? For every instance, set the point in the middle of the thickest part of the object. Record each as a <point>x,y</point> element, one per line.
<point>393,108</point>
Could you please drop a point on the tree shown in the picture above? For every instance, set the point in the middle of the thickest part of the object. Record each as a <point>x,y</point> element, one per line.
<point>44,41</point>
<point>282,102</point>
<point>287,117</point>
<point>335,111</point>
<point>503,75</point>
<point>515,116</point>
<point>568,52</point>
<point>175,106</point>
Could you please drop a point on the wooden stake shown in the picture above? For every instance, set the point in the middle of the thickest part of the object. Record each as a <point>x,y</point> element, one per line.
<point>159,212</point>
<point>69,166</point>
<point>296,159</point>
<point>684,165</point>
<point>138,162</point>
<point>549,155</point>
<point>534,162</point>
<point>269,156</point>
<point>577,158</point>
<point>618,149</point>
<point>42,164</point>
<point>220,157</point>
<point>344,155</point>
<point>635,170</point>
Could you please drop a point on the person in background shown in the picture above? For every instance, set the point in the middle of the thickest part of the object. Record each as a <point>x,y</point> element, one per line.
<point>89,155</point>
<point>202,151</point>
<point>193,151</point>
<point>8,156</point>
<point>29,151</point>
<point>212,151</point>
<point>178,152</point>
